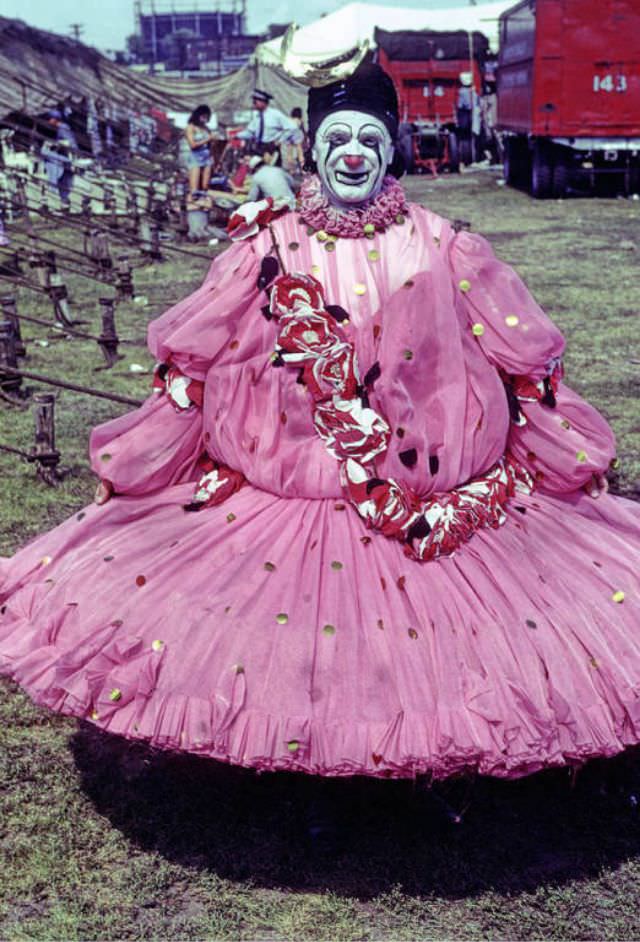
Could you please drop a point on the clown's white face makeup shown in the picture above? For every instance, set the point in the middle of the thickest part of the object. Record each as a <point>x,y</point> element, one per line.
<point>352,151</point>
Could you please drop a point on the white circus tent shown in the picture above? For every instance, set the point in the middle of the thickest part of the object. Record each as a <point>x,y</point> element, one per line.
<point>355,22</point>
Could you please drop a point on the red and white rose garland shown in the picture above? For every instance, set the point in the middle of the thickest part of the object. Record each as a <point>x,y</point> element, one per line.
<point>311,339</point>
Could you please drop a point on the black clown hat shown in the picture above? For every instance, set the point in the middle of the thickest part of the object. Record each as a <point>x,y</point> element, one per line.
<point>369,89</point>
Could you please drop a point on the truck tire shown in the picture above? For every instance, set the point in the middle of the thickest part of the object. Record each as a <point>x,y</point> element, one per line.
<point>509,163</point>
<point>454,159</point>
<point>560,179</point>
<point>465,150</point>
<point>541,173</point>
<point>516,162</point>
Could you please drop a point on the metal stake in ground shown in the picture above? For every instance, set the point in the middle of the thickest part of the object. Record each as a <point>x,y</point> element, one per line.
<point>144,235</point>
<point>10,313</point>
<point>60,298</point>
<point>183,224</point>
<point>156,254</point>
<point>124,277</point>
<point>101,249</point>
<point>109,205</point>
<point>10,266</point>
<point>132,210</point>
<point>39,266</point>
<point>108,340</point>
<point>10,382</point>
<point>46,455</point>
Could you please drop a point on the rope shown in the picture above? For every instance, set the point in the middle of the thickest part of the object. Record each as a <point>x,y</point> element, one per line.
<point>74,387</point>
<point>66,330</point>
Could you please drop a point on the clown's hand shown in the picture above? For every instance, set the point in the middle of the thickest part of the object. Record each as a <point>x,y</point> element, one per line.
<point>104,492</point>
<point>596,485</point>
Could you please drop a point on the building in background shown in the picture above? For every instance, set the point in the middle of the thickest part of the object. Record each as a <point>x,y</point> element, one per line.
<point>191,36</point>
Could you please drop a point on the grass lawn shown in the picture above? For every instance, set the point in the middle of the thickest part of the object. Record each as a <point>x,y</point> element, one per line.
<point>100,839</point>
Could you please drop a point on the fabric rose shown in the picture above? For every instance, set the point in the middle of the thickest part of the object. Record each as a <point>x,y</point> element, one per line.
<point>216,483</point>
<point>295,289</point>
<point>183,391</point>
<point>249,218</point>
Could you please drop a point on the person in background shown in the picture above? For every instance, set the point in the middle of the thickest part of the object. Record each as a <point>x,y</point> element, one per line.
<point>269,125</point>
<point>295,151</point>
<point>269,180</point>
<point>199,161</point>
<point>468,111</point>
<point>57,157</point>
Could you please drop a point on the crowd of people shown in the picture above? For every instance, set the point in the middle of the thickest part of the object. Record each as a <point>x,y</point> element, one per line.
<point>270,153</point>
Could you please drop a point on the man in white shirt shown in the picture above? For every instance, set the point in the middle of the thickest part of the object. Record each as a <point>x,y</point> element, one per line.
<point>269,180</point>
<point>269,125</point>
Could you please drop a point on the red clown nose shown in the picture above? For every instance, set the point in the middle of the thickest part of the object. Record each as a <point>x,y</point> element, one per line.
<point>353,161</point>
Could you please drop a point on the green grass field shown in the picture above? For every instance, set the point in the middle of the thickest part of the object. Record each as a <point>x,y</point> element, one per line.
<point>103,840</point>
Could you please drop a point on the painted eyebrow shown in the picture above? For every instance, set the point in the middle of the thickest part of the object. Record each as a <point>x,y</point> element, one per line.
<point>337,129</point>
<point>372,130</point>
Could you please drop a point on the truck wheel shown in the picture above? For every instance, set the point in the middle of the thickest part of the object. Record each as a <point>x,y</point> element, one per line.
<point>465,150</point>
<point>509,163</point>
<point>541,173</point>
<point>634,181</point>
<point>515,162</point>
<point>560,178</point>
<point>454,159</point>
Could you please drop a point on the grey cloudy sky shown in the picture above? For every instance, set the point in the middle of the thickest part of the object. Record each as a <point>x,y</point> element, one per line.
<point>108,22</point>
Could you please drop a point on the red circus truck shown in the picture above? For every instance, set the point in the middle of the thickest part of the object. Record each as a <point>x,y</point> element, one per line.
<point>569,95</point>
<point>426,66</point>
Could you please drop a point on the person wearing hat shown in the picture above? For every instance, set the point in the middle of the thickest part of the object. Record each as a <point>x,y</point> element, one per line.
<point>269,180</point>
<point>268,125</point>
<point>361,525</point>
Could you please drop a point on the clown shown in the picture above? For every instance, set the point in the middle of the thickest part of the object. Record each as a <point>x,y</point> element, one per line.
<point>361,525</point>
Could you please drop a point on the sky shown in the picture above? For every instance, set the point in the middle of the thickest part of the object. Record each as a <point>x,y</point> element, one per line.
<point>107,23</point>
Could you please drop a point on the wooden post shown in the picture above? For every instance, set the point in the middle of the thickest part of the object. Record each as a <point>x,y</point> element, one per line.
<point>183,224</point>
<point>144,235</point>
<point>125,278</point>
<point>60,298</point>
<point>44,452</point>
<point>133,213</point>
<point>101,247</point>
<point>44,200</point>
<point>49,260</point>
<point>9,383</point>
<point>151,192</point>
<point>109,205</point>
<point>87,243</point>
<point>10,265</point>
<point>108,340</point>
<point>20,198</point>
<point>41,269</point>
<point>156,253</point>
<point>10,314</point>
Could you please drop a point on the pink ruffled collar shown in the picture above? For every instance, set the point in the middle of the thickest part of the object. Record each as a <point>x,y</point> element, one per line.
<point>386,210</point>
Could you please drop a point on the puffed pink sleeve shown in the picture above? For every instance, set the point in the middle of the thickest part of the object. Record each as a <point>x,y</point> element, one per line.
<point>559,437</point>
<point>160,443</point>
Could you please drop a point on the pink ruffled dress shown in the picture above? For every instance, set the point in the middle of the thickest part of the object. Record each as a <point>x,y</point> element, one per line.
<point>274,629</point>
